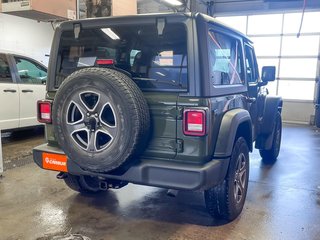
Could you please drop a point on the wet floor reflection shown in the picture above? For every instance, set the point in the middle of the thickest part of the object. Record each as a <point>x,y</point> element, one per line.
<point>283,202</point>
<point>146,203</point>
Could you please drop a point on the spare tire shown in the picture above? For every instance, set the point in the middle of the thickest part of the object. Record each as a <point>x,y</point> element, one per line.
<point>100,118</point>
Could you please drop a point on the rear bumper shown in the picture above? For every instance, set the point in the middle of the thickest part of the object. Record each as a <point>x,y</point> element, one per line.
<point>154,173</point>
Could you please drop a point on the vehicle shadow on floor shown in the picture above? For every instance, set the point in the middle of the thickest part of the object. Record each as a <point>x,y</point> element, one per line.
<point>185,208</point>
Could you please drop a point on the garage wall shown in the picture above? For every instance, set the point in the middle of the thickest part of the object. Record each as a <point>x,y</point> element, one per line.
<point>124,7</point>
<point>297,112</point>
<point>147,6</point>
<point>26,37</point>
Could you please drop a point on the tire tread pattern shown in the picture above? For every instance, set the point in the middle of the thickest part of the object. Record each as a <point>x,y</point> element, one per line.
<point>136,102</point>
<point>271,155</point>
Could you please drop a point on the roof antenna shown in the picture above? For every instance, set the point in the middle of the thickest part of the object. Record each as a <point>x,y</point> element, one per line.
<point>303,10</point>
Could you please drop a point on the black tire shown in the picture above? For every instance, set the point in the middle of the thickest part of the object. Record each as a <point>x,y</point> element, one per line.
<point>82,184</point>
<point>317,114</point>
<point>271,155</point>
<point>226,200</point>
<point>101,119</point>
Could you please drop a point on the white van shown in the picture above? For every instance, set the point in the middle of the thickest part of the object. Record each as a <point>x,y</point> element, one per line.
<point>22,84</point>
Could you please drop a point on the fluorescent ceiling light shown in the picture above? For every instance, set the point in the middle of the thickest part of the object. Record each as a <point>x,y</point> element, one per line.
<point>111,34</point>
<point>173,2</point>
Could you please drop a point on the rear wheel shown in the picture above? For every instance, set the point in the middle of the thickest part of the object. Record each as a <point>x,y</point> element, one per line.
<point>82,184</point>
<point>271,155</point>
<point>226,200</point>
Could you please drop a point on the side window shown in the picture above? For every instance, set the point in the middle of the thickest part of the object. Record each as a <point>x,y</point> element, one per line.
<point>133,56</point>
<point>169,59</point>
<point>30,72</point>
<point>225,59</point>
<point>5,74</point>
<point>251,67</point>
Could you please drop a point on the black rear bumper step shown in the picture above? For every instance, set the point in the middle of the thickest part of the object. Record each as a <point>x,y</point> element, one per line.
<point>164,174</point>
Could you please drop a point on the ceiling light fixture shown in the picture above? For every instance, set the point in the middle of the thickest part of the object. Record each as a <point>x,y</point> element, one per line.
<point>173,2</point>
<point>111,34</point>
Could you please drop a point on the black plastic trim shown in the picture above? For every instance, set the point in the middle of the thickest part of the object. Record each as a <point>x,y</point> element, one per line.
<point>228,130</point>
<point>155,173</point>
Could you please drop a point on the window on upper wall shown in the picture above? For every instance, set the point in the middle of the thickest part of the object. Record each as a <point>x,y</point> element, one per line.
<point>298,61</point>
<point>237,22</point>
<point>310,23</point>
<point>265,24</point>
<point>266,46</point>
<point>298,68</point>
<point>302,46</point>
<point>225,59</point>
<point>298,90</point>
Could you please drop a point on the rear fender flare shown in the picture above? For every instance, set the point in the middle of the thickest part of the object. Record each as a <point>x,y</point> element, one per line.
<point>228,131</point>
<point>273,105</point>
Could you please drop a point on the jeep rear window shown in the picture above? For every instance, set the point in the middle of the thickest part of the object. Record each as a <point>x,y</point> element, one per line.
<point>154,61</point>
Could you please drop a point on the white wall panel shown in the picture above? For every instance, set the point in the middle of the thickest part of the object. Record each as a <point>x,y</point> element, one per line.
<point>26,37</point>
<point>297,112</point>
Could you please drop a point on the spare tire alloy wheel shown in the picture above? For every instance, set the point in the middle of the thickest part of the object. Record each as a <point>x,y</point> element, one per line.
<point>101,119</point>
<point>91,121</point>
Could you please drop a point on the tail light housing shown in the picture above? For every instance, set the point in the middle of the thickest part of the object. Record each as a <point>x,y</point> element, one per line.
<point>194,122</point>
<point>44,111</point>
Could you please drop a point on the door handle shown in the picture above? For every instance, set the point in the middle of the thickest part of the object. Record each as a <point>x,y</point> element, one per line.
<point>10,90</point>
<point>26,90</point>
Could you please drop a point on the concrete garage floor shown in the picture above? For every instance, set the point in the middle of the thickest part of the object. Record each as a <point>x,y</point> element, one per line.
<point>283,202</point>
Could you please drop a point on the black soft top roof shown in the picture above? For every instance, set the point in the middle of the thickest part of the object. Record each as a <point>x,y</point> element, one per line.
<point>142,18</point>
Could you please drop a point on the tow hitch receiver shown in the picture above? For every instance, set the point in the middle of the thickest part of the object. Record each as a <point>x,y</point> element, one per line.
<point>62,175</point>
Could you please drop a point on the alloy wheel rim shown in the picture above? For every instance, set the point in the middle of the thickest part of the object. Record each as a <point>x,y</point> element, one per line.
<point>240,180</point>
<point>91,121</point>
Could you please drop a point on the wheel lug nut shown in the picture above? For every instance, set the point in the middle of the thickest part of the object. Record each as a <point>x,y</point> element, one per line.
<point>88,114</point>
<point>96,114</point>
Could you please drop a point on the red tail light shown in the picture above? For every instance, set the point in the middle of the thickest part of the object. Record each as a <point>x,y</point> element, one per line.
<point>194,122</point>
<point>104,62</point>
<point>44,111</point>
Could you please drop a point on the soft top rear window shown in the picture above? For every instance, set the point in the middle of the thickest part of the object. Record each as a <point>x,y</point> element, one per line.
<point>154,61</point>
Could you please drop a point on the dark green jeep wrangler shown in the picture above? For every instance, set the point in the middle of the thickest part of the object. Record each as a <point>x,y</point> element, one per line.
<point>166,100</point>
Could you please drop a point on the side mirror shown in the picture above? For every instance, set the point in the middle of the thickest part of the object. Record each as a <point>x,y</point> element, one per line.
<point>268,73</point>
